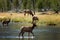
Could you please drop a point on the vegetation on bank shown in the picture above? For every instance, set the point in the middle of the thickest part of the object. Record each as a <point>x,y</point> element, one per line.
<point>43,19</point>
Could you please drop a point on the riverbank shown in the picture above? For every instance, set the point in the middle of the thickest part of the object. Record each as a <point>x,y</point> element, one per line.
<point>43,19</point>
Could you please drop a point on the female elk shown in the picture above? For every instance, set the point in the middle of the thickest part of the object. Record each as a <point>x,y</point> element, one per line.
<point>34,18</point>
<point>27,29</point>
<point>28,12</point>
<point>6,22</point>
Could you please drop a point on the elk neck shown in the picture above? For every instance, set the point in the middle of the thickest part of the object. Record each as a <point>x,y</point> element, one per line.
<point>33,26</point>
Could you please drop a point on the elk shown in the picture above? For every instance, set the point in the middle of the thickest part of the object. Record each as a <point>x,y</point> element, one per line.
<point>34,18</point>
<point>28,12</point>
<point>27,29</point>
<point>6,22</point>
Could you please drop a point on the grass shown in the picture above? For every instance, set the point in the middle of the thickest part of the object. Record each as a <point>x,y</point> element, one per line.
<point>43,19</point>
<point>49,19</point>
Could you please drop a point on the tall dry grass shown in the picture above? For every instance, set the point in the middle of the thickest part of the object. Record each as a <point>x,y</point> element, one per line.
<point>43,19</point>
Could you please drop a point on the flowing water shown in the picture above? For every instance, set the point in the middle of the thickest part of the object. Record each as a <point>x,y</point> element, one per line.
<point>41,33</point>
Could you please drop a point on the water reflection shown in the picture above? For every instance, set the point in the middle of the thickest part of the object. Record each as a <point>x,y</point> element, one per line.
<point>25,39</point>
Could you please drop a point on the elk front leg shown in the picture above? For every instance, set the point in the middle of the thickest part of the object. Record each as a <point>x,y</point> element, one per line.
<point>32,33</point>
<point>22,34</point>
